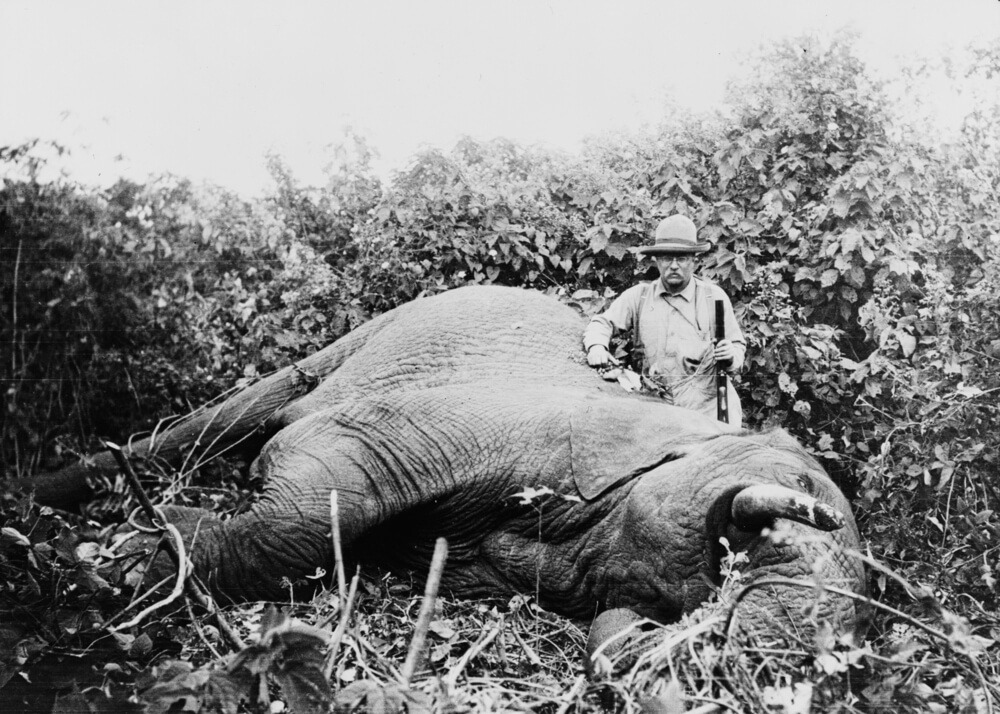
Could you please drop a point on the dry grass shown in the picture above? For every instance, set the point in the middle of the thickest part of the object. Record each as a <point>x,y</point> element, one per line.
<point>513,656</point>
<point>509,655</point>
<point>385,646</point>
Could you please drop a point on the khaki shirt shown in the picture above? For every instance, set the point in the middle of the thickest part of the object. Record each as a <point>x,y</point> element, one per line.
<point>676,334</point>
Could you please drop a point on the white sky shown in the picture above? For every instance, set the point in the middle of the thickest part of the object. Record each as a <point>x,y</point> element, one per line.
<point>204,89</point>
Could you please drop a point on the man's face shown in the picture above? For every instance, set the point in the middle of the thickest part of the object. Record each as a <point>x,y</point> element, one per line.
<point>675,271</point>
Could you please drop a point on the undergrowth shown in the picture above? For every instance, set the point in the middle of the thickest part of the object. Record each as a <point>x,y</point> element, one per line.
<point>68,596</point>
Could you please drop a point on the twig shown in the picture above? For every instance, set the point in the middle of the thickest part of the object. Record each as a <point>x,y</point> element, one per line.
<point>985,684</point>
<point>361,646</point>
<point>338,554</point>
<point>198,462</point>
<point>13,312</point>
<point>530,653</point>
<point>482,643</point>
<point>338,634</point>
<point>705,709</point>
<point>182,573</point>
<point>135,603</point>
<point>426,610</point>
<point>569,697</point>
<point>791,582</point>
<point>947,509</point>
<point>688,634</point>
<point>133,480</point>
<point>872,563</point>
<point>197,593</point>
<point>263,695</point>
<point>198,629</point>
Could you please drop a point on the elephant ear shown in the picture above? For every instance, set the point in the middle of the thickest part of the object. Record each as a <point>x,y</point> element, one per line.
<point>611,447</point>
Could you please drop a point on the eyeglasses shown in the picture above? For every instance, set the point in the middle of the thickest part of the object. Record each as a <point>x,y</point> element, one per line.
<point>671,259</point>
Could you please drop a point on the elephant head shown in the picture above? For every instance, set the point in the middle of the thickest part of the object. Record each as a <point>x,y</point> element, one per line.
<point>770,504</point>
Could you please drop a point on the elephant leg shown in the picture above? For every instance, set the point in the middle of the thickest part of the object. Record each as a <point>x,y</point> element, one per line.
<point>196,526</point>
<point>281,543</point>
<point>285,539</point>
<point>264,554</point>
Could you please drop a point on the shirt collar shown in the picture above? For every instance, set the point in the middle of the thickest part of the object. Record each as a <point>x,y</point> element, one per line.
<point>687,293</point>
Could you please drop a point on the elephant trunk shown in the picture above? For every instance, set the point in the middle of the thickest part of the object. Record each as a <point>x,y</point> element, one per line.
<point>799,570</point>
<point>244,420</point>
<point>795,579</point>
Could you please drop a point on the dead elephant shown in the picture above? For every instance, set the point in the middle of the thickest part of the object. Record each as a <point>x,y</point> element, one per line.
<point>431,419</point>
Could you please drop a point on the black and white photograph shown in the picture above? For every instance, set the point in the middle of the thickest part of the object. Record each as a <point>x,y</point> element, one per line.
<point>556,356</point>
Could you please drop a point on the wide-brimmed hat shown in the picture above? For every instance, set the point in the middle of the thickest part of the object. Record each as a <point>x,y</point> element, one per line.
<point>675,234</point>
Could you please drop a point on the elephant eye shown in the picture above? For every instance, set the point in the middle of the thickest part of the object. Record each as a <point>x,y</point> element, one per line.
<point>806,483</point>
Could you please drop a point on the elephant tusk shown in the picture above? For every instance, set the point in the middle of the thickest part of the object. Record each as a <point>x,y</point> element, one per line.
<point>757,505</point>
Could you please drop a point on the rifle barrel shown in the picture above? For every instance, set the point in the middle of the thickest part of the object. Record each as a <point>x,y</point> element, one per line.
<point>721,382</point>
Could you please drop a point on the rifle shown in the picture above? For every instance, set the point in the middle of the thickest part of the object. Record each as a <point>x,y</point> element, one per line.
<point>721,382</point>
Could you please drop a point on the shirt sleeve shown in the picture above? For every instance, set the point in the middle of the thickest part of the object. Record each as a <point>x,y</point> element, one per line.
<point>620,315</point>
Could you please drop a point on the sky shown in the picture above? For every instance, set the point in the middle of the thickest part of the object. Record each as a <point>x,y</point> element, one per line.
<point>205,89</point>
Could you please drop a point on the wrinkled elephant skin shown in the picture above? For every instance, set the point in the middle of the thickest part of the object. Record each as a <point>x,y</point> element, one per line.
<point>430,420</point>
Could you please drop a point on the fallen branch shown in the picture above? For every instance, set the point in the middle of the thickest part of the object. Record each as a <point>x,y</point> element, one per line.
<point>480,644</point>
<point>178,590</point>
<point>338,554</point>
<point>197,628</point>
<point>570,697</point>
<point>338,634</point>
<point>532,656</point>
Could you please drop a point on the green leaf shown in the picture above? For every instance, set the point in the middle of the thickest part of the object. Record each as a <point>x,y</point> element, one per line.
<point>227,690</point>
<point>305,686</point>
<point>183,693</point>
<point>787,385</point>
<point>16,536</point>
<point>856,276</point>
<point>898,266</point>
<point>841,204</point>
<point>616,250</point>
<point>907,343</point>
<point>367,696</point>
<point>850,240</point>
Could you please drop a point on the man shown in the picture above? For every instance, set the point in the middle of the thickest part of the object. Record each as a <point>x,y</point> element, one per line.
<point>672,321</point>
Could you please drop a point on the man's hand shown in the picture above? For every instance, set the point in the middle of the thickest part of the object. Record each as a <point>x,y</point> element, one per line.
<point>598,356</point>
<point>724,353</point>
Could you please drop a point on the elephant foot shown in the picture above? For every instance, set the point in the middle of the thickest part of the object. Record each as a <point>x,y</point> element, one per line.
<point>610,634</point>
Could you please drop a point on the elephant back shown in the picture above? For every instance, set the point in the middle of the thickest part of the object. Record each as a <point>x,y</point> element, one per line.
<point>472,336</point>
